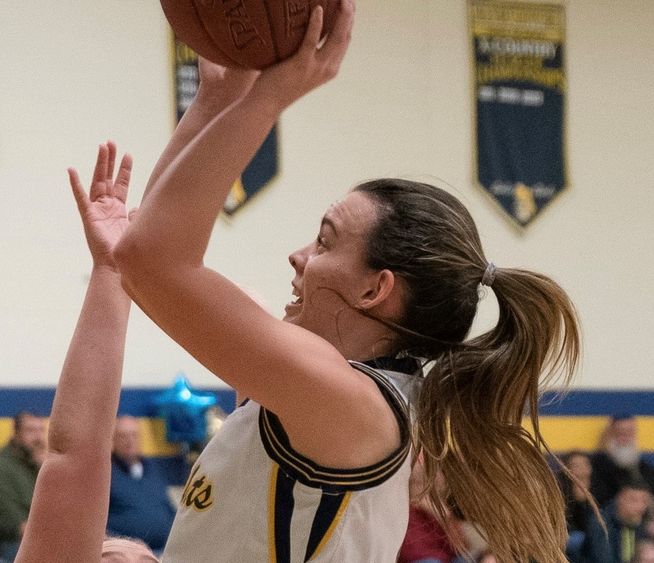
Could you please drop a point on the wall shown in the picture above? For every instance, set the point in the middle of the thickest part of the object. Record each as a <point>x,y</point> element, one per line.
<point>88,70</point>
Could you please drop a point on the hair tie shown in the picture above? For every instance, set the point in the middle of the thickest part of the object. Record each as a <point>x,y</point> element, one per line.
<point>489,275</point>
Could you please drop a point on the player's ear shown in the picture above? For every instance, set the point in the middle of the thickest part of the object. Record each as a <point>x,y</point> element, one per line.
<point>381,291</point>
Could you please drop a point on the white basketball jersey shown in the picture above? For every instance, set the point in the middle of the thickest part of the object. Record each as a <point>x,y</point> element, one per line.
<point>251,498</point>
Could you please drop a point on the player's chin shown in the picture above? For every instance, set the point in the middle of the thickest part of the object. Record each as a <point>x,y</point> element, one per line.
<point>292,313</point>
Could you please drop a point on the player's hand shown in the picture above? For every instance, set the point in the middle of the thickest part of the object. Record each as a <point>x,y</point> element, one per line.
<point>221,86</point>
<point>103,210</point>
<point>313,64</point>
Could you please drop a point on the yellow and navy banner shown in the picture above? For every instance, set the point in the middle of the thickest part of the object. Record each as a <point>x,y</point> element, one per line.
<point>264,165</point>
<point>520,87</point>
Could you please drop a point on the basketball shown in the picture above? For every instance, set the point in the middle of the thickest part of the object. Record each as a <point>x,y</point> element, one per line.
<point>245,33</point>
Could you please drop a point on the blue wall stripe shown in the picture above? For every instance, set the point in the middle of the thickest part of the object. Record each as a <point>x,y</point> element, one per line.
<point>137,401</point>
<point>34,399</point>
<point>599,403</point>
<point>134,401</point>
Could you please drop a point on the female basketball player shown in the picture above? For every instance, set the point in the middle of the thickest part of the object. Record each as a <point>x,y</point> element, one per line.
<point>315,466</point>
<point>68,516</point>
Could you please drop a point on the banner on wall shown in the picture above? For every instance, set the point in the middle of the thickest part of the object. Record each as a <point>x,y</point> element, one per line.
<point>264,165</point>
<point>520,86</point>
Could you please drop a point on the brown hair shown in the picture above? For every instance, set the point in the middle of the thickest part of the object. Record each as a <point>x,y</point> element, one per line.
<point>476,391</point>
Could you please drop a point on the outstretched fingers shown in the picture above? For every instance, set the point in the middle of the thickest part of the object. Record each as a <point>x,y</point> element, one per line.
<point>334,49</point>
<point>99,181</point>
<point>121,185</point>
<point>111,146</point>
<point>314,64</point>
<point>111,162</point>
<point>102,183</point>
<point>133,212</point>
<point>79,193</point>
<point>210,71</point>
<point>312,35</point>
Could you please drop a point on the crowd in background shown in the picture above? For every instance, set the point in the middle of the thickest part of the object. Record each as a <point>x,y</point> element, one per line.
<point>614,525</point>
<point>621,481</point>
<point>141,505</point>
<point>20,460</point>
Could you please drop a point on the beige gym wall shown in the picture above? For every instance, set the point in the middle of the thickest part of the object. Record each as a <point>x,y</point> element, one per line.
<point>77,72</point>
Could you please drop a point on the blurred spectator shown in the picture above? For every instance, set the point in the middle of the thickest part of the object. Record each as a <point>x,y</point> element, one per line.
<point>619,459</point>
<point>426,540</point>
<point>139,506</point>
<point>625,523</point>
<point>475,542</point>
<point>649,522</point>
<point>483,557</point>
<point>578,507</point>
<point>19,465</point>
<point>645,551</point>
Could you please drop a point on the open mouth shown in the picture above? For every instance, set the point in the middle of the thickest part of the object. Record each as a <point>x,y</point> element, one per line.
<point>298,298</point>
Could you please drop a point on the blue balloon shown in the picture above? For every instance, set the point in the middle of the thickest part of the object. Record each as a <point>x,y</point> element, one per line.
<point>184,411</point>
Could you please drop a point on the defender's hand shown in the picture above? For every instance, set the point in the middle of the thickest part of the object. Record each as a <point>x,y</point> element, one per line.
<point>103,210</point>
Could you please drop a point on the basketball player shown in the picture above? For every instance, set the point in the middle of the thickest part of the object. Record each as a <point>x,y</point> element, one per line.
<point>68,516</point>
<point>315,466</point>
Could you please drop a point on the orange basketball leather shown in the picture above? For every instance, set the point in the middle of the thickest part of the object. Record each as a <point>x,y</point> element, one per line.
<point>244,33</point>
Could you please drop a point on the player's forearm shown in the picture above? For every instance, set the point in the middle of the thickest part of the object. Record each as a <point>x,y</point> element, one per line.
<point>204,108</point>
<point>87,395</point>
<point>175,223</point>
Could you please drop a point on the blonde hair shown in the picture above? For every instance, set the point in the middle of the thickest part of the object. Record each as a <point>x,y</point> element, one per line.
<point>121,544</point>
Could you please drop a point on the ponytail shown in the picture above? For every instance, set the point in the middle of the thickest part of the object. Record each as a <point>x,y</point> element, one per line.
<point>469,417</point>
<point>470,408</point>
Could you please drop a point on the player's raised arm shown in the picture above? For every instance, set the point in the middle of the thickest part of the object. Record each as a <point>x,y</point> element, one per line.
<point>161,257</point>
<point>392,283</point>
<point>195,186</point>
<point>69,509</point>
<point>219,89</point>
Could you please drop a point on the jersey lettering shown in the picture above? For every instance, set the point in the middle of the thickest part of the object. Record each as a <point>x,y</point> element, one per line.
<point>198,492</point>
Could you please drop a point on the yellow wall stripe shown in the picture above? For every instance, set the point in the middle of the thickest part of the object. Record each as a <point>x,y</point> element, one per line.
<point>153,434</point>
<point>562,433</point>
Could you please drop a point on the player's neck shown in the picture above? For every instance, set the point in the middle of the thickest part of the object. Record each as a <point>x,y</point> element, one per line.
<point>363,339</point>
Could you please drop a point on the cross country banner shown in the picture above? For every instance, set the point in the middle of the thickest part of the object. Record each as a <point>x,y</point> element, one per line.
<point>520,86</point>
<point>264,165</point>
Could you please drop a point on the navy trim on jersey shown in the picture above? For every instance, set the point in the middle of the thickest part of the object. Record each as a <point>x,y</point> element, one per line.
<point>283,507</point>
<point>328,510</point>
<point>408,364</point>
<point>279,449</point>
